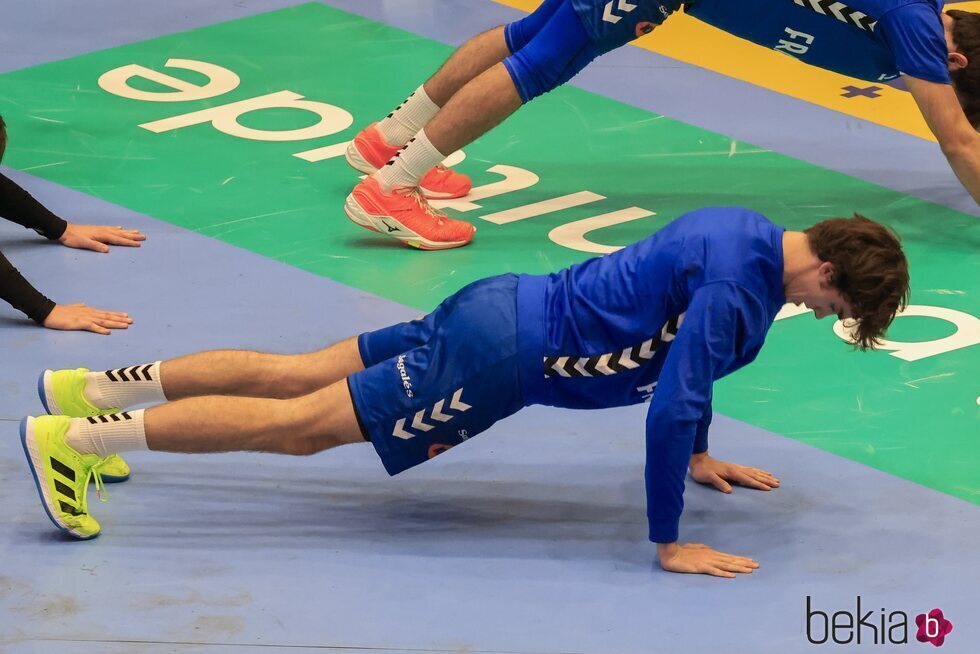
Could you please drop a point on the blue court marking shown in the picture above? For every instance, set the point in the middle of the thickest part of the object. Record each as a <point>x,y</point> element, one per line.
<point>530,538</point>
<point>39,32</point>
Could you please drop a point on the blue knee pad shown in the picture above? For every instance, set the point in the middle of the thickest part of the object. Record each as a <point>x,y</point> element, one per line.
<point>555,52</point>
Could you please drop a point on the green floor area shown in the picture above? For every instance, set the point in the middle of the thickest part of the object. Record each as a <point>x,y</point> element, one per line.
<point>914,418</point>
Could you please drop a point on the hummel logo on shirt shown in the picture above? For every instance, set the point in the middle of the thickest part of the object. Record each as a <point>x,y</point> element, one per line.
<point>612,363</point>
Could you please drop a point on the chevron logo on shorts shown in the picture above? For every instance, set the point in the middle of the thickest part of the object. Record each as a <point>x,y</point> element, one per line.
<point>840,11</point>
<point>438,413</point>
<point>604,365</point>
<point>621,5</point>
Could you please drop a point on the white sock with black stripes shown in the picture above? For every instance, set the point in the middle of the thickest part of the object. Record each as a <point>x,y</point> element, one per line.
<point>410,164</point>
<point>105,435</point>
<point>125,387</point>
<point>408,118</point>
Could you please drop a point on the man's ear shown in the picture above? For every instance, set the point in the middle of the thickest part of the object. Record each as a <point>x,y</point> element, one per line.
<point>956,61</point>
<point>825,272</point>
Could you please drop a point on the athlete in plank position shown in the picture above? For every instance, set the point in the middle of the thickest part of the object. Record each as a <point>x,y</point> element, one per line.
<point>494,73</point>
<point>664,317</point>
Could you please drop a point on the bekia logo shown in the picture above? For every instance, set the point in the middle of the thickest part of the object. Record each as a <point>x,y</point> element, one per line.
<point>873,627</point>
<point>933,627</point>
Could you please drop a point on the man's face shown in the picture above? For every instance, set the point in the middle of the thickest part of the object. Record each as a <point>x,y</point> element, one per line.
<point>821,296</point>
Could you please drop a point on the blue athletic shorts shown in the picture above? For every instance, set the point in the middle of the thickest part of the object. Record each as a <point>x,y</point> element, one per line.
<point>432,383</point>
<point>613,24</point>
<point>561,37</point>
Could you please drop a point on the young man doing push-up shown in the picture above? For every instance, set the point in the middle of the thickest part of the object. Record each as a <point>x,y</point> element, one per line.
<point>494,73</point>
<point>659,320</point>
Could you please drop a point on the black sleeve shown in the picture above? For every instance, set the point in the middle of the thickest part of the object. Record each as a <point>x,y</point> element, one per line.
<point>20,294</point>
<point>18,205</point>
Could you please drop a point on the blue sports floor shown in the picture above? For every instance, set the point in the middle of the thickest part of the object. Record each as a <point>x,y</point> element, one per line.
<point>532,539</point>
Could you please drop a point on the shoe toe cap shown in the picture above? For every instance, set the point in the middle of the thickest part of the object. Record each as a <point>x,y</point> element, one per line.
<point>82,526</point>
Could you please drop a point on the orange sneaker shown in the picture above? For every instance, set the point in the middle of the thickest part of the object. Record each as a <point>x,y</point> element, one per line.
<point>404,214</point>
<point>369,151</point>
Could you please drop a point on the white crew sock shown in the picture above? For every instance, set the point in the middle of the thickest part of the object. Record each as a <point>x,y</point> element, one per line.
<point>125,387</point>
<point>410,164</point>
<point>105,435</point>
<point>408,118</point>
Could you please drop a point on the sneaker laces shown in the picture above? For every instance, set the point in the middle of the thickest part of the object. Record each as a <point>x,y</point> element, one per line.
<point>414,192</point>
<point>99,484</point>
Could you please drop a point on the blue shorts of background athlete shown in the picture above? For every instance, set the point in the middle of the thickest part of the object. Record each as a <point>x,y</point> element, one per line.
<point>552,44</point>
<point>432,383</point>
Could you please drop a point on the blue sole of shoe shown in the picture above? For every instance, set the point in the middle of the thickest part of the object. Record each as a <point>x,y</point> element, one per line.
<point>41,394</point>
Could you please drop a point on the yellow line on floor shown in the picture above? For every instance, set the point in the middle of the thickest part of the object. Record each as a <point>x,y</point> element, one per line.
<point>693,42</point>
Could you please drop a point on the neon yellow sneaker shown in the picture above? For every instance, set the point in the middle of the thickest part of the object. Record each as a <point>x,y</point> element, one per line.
<point>62,392</point>
<point>61,475</point>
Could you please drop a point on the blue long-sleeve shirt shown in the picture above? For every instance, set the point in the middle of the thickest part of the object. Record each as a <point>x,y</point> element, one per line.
<point>659,320</point>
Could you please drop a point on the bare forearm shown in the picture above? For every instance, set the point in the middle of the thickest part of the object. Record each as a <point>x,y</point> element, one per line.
<point>956,135</point>
<point>965,162</point>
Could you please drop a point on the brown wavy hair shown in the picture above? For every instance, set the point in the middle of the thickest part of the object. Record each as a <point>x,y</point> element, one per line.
<point>966,81</point>
<point>870,271</point>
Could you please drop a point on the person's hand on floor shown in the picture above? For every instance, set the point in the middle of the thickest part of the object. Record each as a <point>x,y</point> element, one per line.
<point>722,474</point>
<point>98,238</point>
<point>695,558</point>
<point>80,317</point>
